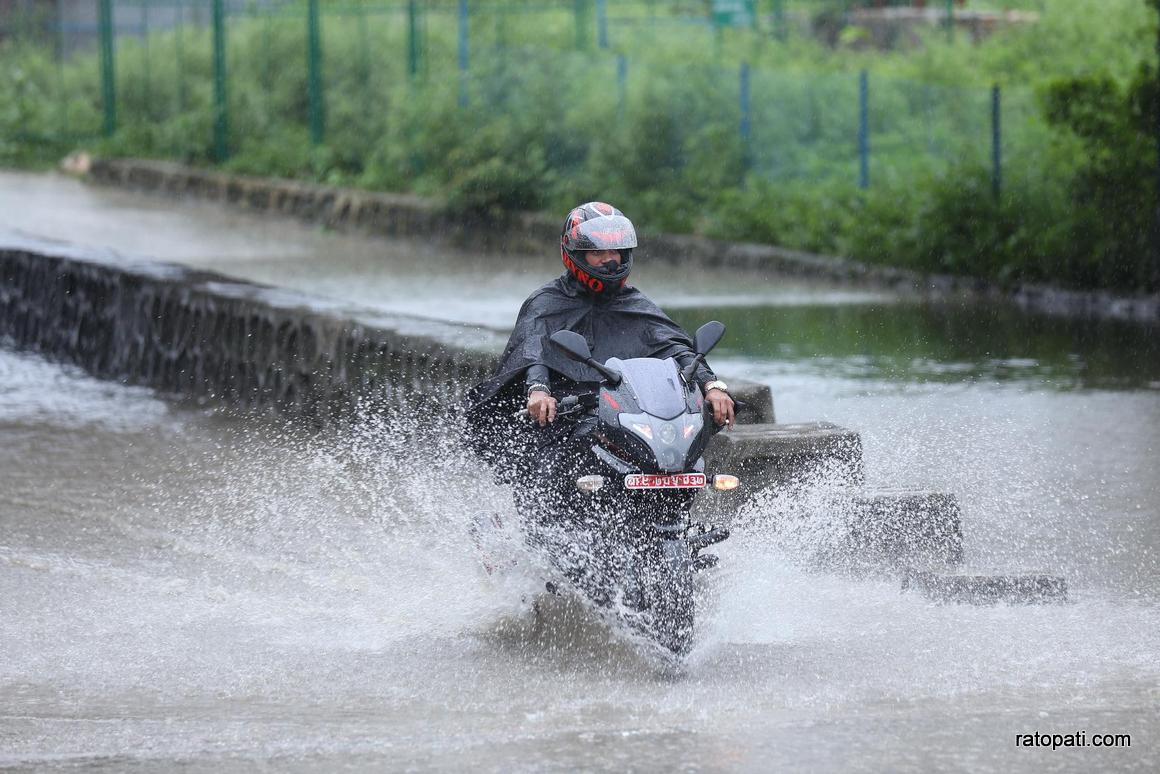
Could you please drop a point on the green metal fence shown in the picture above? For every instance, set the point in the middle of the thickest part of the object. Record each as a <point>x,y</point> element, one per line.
<point>202,80</point>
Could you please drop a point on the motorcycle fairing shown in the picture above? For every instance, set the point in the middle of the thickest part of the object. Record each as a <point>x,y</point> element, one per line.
<point>653,408</point>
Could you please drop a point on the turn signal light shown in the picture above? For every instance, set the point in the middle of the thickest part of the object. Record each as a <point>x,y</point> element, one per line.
<point>589,483</point>
<point>723,482</point>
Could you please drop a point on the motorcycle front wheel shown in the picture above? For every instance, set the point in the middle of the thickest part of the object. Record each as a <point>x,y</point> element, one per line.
<point>668,591</point>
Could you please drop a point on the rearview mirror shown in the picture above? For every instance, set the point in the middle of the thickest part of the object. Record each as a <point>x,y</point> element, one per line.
<point>707,337</point>
<point>571,344</point>
<point>574,346</point>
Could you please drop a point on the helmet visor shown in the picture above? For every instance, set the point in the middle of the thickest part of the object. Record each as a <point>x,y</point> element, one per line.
<point>612,232</point>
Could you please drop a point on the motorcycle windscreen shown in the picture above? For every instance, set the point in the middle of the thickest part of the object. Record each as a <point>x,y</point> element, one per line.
<point>656,384</point>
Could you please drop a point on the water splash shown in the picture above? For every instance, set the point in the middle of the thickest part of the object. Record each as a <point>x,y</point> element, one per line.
<point>202,589</point>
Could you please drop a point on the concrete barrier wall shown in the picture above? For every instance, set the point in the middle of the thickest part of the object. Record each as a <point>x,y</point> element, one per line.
<point>213,338</point>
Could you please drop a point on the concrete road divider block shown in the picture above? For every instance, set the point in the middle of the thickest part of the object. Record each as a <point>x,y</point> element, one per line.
<point>986,589</point>
<point>770,454</point>
<point>899,527</point>
<point>757,399</point>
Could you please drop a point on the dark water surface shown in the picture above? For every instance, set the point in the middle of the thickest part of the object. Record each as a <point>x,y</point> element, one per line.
<point>956,341</point>
<point>180,589</point>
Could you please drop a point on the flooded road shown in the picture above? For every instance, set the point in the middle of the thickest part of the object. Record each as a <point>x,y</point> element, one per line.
<point>185,589</point>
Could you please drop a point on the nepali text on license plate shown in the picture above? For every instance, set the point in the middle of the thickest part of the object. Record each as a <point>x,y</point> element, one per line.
<point>656,481</point>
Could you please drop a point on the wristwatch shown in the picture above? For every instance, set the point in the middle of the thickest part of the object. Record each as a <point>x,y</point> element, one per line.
<point>716,384</point>
<point>537,387</point>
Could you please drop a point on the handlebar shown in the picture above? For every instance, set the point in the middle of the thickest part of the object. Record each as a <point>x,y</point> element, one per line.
<point>567,406</point>
<point>570,405</point>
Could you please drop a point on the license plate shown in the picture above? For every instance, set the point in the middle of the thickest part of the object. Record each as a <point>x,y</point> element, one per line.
<point>657,481</point>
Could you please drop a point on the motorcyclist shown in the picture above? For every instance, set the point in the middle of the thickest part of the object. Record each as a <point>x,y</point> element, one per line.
<point>610,548</point>
<point>590,298</point>
<point>542,462</point>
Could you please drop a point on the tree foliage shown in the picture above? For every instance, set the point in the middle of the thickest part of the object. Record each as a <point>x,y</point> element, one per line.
<point>1113,193</point>
<point>544,127</point>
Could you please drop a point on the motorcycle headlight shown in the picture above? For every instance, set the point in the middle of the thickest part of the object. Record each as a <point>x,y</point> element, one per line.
<point>668,459</point>
<point>667,434</point>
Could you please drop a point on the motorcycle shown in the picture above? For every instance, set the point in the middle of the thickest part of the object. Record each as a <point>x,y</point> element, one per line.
<point>627,541</point>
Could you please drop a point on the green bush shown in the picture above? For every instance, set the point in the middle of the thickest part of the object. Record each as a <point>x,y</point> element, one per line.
<point>1114,192</point>
<point>37,125</point>
<point>954,224</point>
<point>806,216</point>
<point>546,125</point>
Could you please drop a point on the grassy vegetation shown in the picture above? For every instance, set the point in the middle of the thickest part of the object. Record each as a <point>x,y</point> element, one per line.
<point>548,123</point>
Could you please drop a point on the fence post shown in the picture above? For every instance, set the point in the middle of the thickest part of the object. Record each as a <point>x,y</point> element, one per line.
<point>314,74</point>
<point>602,23</point>
<point>179,45</point>
<point>108,68</point>
<point>996,144</point>
<point>863,130</point>
<point>463,52</point>
<point>221,120</point>
<point>58,60</point>
<point>498,15</point>
<point>267,47</point>
<point>581,11</point>
<point>412,38</point>
<point>621,85</point>
<point>743,93</point>
<point>146,91</point>
<point>950,21</point>
<point>1156,240</point>
<point>364,47</point>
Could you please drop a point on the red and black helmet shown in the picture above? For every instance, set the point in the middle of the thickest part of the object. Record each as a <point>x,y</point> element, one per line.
<point>597,226</point>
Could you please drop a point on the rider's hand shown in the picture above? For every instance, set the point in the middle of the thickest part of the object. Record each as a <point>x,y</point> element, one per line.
<point>542,407</point>
<point>722,406</point>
